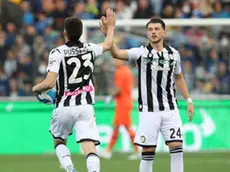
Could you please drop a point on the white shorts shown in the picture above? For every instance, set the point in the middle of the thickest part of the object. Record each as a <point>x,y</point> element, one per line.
<point>81,117</point>
<point>151,123</point>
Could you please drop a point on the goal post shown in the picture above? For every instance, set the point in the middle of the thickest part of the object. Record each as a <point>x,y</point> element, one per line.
<point>168,22</point>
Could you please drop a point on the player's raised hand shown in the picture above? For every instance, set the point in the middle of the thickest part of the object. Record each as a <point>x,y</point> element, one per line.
<point>110,19</point>
<point>190,111</point>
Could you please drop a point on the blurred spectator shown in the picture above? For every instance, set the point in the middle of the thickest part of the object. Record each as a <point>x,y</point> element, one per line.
<point>168,12</point>
<point>59,14</point>
<point>25,68</point>
<point>30,34</point>
<point>218,11</point>
<point>48,6</point>
<point>206,8</point>
<point>28,17</point>
<point>27,89</point>
<point>50,37</point>
<point>92,7</point>
<point>39,47</point>
<point>156,6</point>
<point>14,88</point>
<point>43,64</point>
<point>43,22</point>
<point>144,10</point>
<point>35,6</point>
<point>4,83</point>
<point>211,63</point>
<point>10,65</point>
<point>175,3</point>
<point>224,46</point>
<point>123,11</point>
<point>80,11</point>
<point>177,37</point>
<point>11,35</point>
<point>188,73</point>
<point>11,12</point>
<point>222,80</point>
<point>187,10</point>
<point>21,48</point>
<point>196,10</point>
<point>105,4</point>
<point>2,47</point>
<point>200,72</point>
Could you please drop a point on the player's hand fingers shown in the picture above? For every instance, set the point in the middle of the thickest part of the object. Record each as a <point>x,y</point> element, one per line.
<point>190,115</point>
<point>108,12</point>
<point>103,20</point>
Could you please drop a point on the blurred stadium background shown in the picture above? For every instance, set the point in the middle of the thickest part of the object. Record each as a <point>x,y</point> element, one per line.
<point>199,29</point>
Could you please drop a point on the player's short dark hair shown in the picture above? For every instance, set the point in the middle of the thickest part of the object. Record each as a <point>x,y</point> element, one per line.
<point>73,27</point>
<point>156,20</point>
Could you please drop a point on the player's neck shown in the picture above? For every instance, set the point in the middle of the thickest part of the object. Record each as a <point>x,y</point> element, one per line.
<point>158,46</point>
<point>66,39</point>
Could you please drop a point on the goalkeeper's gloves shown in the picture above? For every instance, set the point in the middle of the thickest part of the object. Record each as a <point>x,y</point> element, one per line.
<point>42,99</point>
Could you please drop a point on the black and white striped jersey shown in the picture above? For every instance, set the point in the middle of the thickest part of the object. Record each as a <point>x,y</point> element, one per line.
<point>156,77</point>
<point>74,63</point>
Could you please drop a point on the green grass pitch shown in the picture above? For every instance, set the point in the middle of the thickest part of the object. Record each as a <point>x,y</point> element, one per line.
<point>194,162</point>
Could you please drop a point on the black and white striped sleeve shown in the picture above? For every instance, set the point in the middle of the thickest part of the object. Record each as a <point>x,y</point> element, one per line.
<point>54,61</point>
<point>178,63</point>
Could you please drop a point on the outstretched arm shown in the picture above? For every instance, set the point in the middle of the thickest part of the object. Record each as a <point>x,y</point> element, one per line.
<point>119,53</point>
<point>115,51</point>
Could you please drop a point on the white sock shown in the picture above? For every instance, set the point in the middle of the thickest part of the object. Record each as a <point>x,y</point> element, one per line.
<point>63,155</point>
<point>93,162</point>
<point>146,164</point>
<point>177,159</point>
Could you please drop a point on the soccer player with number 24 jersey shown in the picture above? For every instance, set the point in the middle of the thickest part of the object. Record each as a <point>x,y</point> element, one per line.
<point>159,71</point>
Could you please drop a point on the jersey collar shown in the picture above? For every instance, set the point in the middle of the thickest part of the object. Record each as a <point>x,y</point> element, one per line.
<point>150,48</point>
<point>74,43</point>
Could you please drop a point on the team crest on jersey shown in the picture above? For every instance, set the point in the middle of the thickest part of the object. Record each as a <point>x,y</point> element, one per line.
<point>143,139</point>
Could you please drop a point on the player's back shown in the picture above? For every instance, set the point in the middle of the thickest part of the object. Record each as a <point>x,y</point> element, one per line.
<point>75,63</point>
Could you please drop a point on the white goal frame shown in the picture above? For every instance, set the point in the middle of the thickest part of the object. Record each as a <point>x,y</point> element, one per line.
<point>168,22</point>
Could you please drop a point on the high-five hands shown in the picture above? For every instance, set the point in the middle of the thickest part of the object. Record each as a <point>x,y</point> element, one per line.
<point>108,21</point>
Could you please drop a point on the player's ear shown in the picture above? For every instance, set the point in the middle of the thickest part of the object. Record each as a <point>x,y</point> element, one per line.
<point>65,34</point>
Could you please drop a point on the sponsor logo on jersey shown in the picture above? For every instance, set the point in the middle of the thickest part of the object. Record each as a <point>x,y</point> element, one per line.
<point>155,62</point>
<point>88,88</point>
